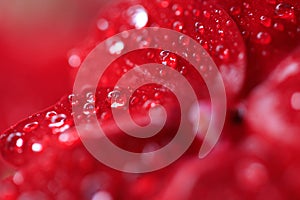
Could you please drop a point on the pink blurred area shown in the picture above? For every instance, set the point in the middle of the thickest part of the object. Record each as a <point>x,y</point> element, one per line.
<point>35,37</point>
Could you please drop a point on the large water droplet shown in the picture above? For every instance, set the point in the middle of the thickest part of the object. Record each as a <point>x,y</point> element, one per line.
<point>138,16</point>
<point>285,11</point>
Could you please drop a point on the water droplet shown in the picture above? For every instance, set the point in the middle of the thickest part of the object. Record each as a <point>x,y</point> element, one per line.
<point>117,99</point>
<point>235,10</point>
<point>115,45</point>
<point>68,137</point>
<point>177,9</point>
<point>18,178</point>
<point>57,120</point>
<point>89,109</point>
<point>223,52</point>
<point>285,11</point>
<point>102,195</point>
<point>30,127</point>
<point>196,12</point>
<point>164,3</point>
<point>37,147</point>
<point>252,175</point>
<point>90,97</point>
<point>263,38</point>
<point>138,16</point>
<point>177,26</point>
<point>50,114</point>
<point>199,27</point>
<point>15,142</point>
<point>134,100</point>
<point>265,21</point>
<point>295,101</point>
<point>102,24</point>
<point>74,60</point>
<point>168,59</point>
<point>184,40</point>
<point>221,32</point>
<point>278,26</point>
<point>183,70</point>
<point>206,14</point>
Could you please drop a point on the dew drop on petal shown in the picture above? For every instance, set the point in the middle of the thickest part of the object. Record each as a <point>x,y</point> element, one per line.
<point>177,9</point>
<point>74,60</point>
<point>102,195</point>
<point>37,147</point>
<point>18,178</point>
<point>138,16</point>
<point>199,27</point>
<point>102,24</point>
<point>57,120</point>
<point>263,38</point>
<point>285,11</point>
<point>50,114</point>
<point>265,21</point>
<point>89,109</point>
<point>164,3</point>
<point>235,10</point>
<point>15,142</point>
<point>184,40</point>
<point>177,26</point>
<point>278,26</point>
<point>115,46</point>
<point>30,127</point>
<point>295,101</point>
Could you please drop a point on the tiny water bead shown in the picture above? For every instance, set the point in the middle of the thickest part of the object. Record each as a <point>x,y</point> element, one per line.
<point>295,101</point>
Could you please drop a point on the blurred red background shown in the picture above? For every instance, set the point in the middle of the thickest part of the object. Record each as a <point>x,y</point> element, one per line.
<point>35,37</point>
